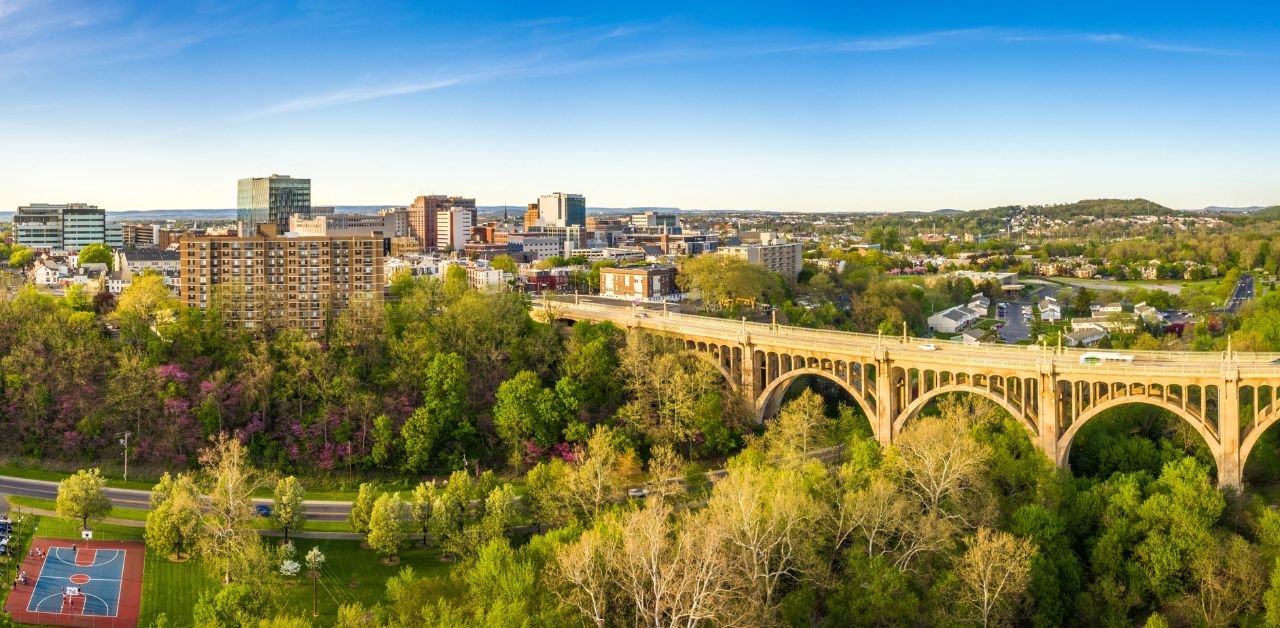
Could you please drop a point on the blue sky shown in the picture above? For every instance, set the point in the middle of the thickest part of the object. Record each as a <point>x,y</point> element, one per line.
<point>785,106</point>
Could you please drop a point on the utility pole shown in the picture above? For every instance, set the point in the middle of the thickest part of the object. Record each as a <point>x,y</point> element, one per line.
<point>125,441</point>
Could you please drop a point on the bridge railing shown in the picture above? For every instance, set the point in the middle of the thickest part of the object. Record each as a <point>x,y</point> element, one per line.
<point>802,338</point>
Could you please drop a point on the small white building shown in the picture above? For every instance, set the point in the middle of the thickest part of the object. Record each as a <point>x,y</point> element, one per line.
<point>973,336</point>
<point>979,304</point>
<point>1087,337</point>
<point>952,320</point>
<point>1050,310</point>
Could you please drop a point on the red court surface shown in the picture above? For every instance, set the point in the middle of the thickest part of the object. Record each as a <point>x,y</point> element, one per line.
<point>53,610</point>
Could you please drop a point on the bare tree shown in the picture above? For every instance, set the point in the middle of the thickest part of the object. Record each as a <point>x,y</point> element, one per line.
<point>993,574</point>
<point>583,578</point>
<point>771,529</point>
<point>942,466</point>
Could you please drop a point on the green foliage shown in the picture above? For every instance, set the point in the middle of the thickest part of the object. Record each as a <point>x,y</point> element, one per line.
<point>233,605</point>
<point>81,496</point>
<point>387,525</point>
<point>21,256</point>
<point>362,507</point>
<point>96,254</point>
<point>287,512</point>
<point>721,280</point>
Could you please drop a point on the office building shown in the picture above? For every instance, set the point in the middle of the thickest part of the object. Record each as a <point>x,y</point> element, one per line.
<point>423,216</point>
<point>271,199</point>
<point>64,227</point>
<point>344,224</point>
<point>653,220</point>
<point>531,216</point>
<point>453,228</point>
<point>287,280</point>
<point>562,210</point>
<point>640,283</point>
<point>785,258</point>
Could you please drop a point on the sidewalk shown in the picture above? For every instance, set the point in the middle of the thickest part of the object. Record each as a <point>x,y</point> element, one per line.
<point>300,534</point>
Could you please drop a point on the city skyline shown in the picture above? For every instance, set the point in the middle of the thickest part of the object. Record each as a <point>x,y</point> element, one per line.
<point>720,106</point>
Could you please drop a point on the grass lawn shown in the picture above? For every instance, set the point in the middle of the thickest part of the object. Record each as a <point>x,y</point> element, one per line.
<point>350,574</point>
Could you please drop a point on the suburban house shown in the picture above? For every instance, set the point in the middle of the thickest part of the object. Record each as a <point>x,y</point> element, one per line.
<point>973,336</point>
<point>1103,309</point>
<point>1148,314</point>
<point>980,304</point>
<point>1050,310</point>
<point>953,319</point>
<point>1086,337</point>
<point>1107,324</point>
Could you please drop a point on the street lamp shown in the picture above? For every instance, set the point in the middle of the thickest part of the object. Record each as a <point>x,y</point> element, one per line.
<point>124,440</point>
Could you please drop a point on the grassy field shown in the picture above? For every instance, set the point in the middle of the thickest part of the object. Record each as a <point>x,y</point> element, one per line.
<point>350,574</point>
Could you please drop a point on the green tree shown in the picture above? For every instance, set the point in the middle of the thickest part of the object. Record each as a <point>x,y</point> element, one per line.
<point>287,512</point>
<point>235,604</point>
<point>96,254</point>
<point>229,545</point>
<point>174,521</point>
<point>147,298</point>
<point>21,256</point>
<point>82,497</point>
<point>440,422</point>
<point>421,507</point>
<point>386,525</point>
<point>505,263</point>
<point>362,507</point>
<point>525,411</point>
<point>723,280</point>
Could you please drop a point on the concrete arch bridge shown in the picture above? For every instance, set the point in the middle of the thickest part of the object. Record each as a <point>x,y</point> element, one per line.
<point>1229,399</point>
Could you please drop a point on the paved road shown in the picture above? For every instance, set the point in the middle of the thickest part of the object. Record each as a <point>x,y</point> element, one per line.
<point>141,500</point>
<point>1242,293</point>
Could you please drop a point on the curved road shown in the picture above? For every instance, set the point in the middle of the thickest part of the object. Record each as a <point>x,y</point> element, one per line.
<point>141,500</point>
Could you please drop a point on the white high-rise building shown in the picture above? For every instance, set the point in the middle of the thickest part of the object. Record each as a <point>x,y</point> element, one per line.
<point>562,210</point>
<point>453,228</point>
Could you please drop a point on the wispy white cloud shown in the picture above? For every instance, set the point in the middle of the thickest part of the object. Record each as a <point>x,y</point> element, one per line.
<point>352,95</point>
<point>565,51</point>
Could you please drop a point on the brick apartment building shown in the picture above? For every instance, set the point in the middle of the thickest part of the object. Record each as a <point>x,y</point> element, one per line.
<point>294,281</point>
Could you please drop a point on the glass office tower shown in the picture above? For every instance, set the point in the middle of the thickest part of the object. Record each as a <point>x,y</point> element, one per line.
<point>272,200</point>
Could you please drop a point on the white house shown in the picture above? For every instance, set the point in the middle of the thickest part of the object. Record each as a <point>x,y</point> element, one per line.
<point>952,320</point>
<point>46,272</point>
<point>1103,309</point>
<point>1050,310</point>
<point>1148,314</point>
<point>1087,337</point>
<point>979,304</point>
<point>973,336</point>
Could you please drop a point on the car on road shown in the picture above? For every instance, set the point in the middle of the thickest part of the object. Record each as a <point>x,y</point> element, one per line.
<point>263,510</point>
<point>928,347</point>
<point>642,315</point>
<point>638,493</point>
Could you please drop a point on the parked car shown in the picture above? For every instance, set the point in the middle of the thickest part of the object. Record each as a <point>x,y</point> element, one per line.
<point>638,493</point>
<point>263,510</point>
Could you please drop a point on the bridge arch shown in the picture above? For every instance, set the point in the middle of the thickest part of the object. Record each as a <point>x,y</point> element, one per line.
<point>1068,437</point>
<point>914,408</point>
<point>771,397</point>
<point>1255,434</point>
<point>711,359</point>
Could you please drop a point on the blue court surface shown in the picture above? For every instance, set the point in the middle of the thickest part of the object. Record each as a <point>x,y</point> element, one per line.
<point>96,573</point>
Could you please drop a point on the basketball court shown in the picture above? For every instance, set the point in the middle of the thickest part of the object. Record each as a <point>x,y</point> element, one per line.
<point>98,583</point>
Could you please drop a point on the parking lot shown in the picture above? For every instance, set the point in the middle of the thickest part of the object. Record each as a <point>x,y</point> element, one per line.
<point>1015,320</point>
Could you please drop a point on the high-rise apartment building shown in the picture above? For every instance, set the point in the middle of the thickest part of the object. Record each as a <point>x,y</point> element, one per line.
<point>424,213</point>
<point>453,228</point>
<point>562,210</point>
<point>271,199</point>
<point>64,227</point>
<point>289,280</point>
<point>785,258</point>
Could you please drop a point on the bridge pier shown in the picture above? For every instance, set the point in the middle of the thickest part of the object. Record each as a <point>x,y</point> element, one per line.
<point>1048,424</point>
<point>886,410</point>
<point>1230,466</point>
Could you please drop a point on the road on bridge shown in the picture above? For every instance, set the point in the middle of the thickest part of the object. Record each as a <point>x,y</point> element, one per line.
<point>141,500</point>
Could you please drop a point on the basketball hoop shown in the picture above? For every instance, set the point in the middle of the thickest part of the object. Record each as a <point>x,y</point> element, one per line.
<point>86,535</point>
